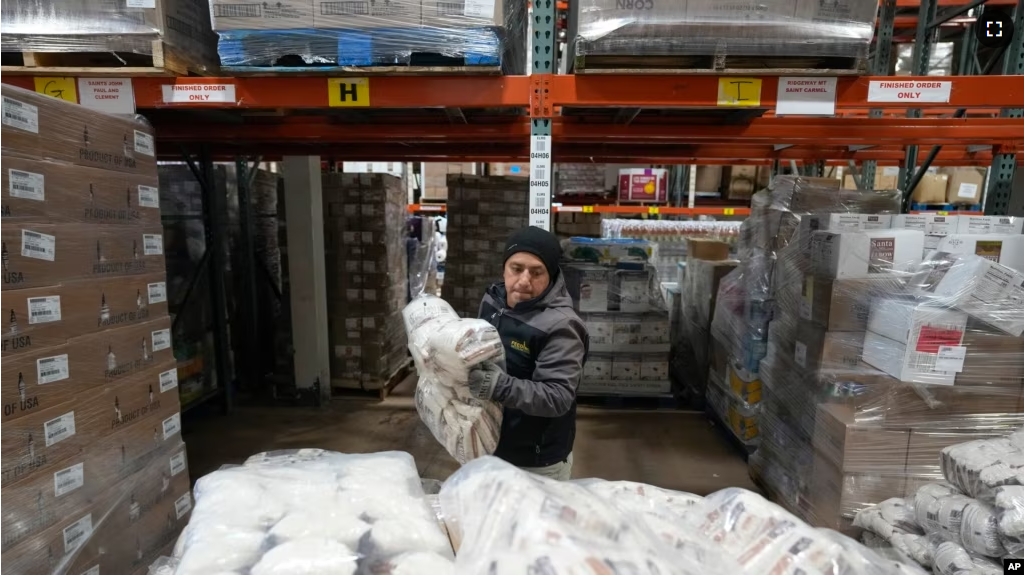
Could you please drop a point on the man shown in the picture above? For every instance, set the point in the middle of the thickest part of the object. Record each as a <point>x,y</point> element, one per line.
<point>545,347</point>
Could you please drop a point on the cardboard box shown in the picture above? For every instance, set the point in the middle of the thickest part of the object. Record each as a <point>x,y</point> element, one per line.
<point>1005,249</point>
<point>707,249</point>
<point>931,189</point>
<point>815,348</point>
<point>925,447</point>
<point>598,367</point>
<point>120,353</point>
<point>937,407</point>
<point>49,192</point>
<point>708,178</point>
<point>844,222</point>
<point>589,285</point>
<point>904,340</point>
<point>626,367</point>
<point>977,286</point>
<point>964,185</point>
<point>282,15</point>
<point>643,185</point>
<point>655,367</point>
<point>989,225</point>
<point>885,179</point>
<point>449,15</point>
<point>38,127</point>
<point>740,182</point>
<point>930,224</point>
<point>865,254</point>
<point>599,329</point>
<point>36,255</point>
<point>851,447</point>
<point>843,305</point>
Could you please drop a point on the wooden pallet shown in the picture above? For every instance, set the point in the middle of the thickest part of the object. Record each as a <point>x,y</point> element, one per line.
<point>379,387</point>
<point>165,60</point>
<point>719,64</point>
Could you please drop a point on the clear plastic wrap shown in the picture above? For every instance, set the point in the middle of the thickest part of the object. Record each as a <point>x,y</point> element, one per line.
<point>403,32</point>
<point>312,511</point>
<point>805,28</point>
<point>179,28</point>
<point>94,473</point>
<point>366,264</point>
<point>445,348</point>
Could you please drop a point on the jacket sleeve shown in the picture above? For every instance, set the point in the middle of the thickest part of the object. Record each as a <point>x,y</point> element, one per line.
<point>557,373</point>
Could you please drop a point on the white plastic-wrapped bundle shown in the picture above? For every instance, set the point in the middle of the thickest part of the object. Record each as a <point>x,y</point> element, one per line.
<point>445,347</point>
<point>953,559</point>
<point>894,521</point>
<point>977,468</point>
<point>311,512</point>
<point>506,521</point>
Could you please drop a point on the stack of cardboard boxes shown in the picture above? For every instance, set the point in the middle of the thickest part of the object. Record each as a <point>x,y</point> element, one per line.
<point>482,212</point>
<point>93,468</point>
<point>366,266</point>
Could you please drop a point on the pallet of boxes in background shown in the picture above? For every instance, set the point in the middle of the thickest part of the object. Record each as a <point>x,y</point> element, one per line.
<point>94,472</point>
<point>367,280</point>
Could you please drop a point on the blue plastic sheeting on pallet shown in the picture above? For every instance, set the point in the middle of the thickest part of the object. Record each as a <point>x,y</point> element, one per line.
<point>308,47</point>
<point>946,207</point>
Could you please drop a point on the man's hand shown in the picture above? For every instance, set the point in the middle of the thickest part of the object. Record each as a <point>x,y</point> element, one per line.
<point>484,379</point>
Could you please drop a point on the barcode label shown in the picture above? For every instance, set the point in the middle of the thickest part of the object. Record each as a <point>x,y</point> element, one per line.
<point>44,309</point>
<point>183,505</point>
<point>38,246</point>
<point>21,115</point>
<point>172,425</point>
<point>539,172</point>
<point>168,380</point>
<point>60,428</point>
<point>152,244</point>
<point>161,339</point>
<point>76,534</point>
<point>68,479</point>
<point>27,185</point>
<point>540,202</point>
<point>156,292</point>
<point>52,369</point>
<point>144,144</point>
<point>149,197</point>
<point>539,144</point>
<point>177,463</point>
<point>540,181</point>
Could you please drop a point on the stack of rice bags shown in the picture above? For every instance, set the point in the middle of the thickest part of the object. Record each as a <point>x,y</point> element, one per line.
<point>967,524</point>
<point>313,512</point>
<point>445,347</point>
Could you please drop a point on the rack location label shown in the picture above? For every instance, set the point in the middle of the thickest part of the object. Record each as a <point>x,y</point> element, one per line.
<point>111,95</point>
<point>909,91</point>
<point>60,87</point>
<point>198,93</point>
<point>352,92</point>
<point>736,91</point>
<point>806,95</point>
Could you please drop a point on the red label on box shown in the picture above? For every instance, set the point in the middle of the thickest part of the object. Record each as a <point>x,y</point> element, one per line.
<point>931,338</point>
<point>643,185</point>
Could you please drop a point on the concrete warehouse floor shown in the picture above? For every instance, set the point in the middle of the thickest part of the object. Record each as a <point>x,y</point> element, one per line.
<point>672,449</point>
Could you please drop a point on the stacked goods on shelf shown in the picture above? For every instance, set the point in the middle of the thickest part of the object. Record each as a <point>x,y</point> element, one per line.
<point>615,292</point>
<point>578,224</point>
<point>171,34</point>
<point>312,33</point>
<point>885,179</point>
<point>435,178</point>
<point>669,238</point>
<point>710,34</point>
<point>482,212</point>
<point>741,182</point>
<point>93,467</point>
<point>965,521</point>
<point>365,263</point>
<point>997,238</point>
<point>956,186</point>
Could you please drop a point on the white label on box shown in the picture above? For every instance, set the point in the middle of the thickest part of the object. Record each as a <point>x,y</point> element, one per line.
<point>172,425</point>
<point>110,95</point>
<point>168,380</point>
<point>177,463</point>
<point>540,182</point>
<point>44,309</point>
<point>68,479</point>
<point>60,428</point>
<point>161,339</point>
<point>38,246</point>
<point>142,3</point>
<point>800,353</point>
<point>157,292</point>
<point>198,93</point>
<point>183,505</point>
<point>806,95</point>
<point>967,190</point>
<point>891,171</point>
<point>950,358</point>
<point>479,9</point>
<point>152,244</point>
<point>52,369</point>
<point>144,144</point>
<point>76,534</point>
<point>21,115</point>
<point>149,196</point>
<point>908,91</point>
<point>94,570</point>
<point>26,185</point>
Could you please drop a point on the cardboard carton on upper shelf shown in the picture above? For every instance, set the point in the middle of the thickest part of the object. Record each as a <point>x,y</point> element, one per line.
<point>964,185</point>
<point>40,127</point>
<point>280,15</point>
<point>865,254</point>
<point>441,14</point>
<point>708,178</point>
<point>931,189</point>
<point>886,179</point>
<point>643,185</point>
<point>366,15</point>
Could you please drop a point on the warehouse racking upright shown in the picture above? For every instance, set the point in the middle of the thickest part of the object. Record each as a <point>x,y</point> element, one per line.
<point>618,117</point>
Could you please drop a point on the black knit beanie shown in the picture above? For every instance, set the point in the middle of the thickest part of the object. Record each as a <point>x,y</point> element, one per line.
<point>538,242</point>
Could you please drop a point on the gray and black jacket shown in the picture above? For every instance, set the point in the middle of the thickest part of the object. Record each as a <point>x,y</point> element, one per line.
<point>545,348</point>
